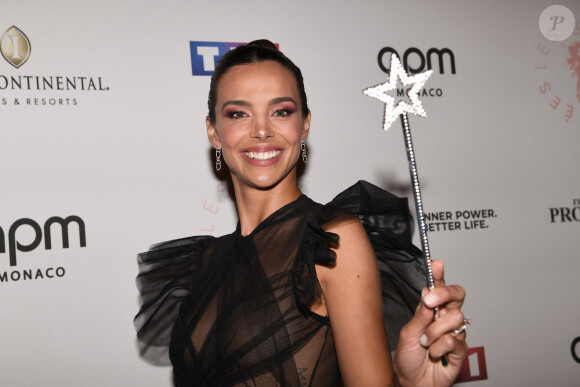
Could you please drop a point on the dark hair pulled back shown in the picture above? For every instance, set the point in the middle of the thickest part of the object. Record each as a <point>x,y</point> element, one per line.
<point>256,51</point>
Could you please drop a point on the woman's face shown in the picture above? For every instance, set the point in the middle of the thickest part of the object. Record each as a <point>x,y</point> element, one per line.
<point>259,124</point>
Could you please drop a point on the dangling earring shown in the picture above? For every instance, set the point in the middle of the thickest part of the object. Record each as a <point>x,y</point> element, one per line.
<point>303,148</point>
<point>218,161</point>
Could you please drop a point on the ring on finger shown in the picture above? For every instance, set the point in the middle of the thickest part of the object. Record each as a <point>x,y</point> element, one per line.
<point>466,322</point>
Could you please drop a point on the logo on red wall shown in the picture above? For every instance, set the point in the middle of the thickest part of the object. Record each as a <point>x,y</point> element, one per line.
<point>474,367</point>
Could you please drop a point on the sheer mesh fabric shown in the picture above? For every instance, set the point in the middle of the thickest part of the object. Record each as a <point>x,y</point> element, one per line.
<point>235,311</point>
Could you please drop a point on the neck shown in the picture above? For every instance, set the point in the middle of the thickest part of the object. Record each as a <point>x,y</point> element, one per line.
<point>255,205</point>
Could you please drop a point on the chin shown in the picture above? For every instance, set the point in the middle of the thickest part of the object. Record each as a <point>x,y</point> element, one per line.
<point>264,184</point>
<point>265,181</point>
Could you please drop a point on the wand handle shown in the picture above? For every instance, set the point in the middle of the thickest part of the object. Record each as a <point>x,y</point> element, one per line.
<point>418,200</point>
<point>419,207</point>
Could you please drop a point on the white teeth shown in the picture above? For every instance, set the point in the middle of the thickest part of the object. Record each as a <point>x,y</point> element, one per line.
<point>263,155</point>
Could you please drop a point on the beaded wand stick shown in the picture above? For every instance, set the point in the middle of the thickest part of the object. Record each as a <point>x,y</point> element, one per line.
<point>391,113</point>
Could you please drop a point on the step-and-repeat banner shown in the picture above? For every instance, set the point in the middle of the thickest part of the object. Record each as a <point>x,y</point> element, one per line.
<point>103,152</point>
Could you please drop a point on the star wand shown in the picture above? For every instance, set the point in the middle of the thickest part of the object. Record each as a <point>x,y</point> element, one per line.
<point>401,109</point>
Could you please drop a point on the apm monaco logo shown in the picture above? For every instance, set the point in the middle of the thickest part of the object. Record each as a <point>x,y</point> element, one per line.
<point>15,46</point>
<point>205,55</point>
<point>474,368</point>
<point>30,227</point>
<point>38,90</point>
<point>415,61</point>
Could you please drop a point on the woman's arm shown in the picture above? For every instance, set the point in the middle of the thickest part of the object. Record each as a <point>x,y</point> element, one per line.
<point>352,296</point>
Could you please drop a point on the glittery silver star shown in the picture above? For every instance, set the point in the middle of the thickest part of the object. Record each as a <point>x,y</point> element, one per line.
<point>380,92</point>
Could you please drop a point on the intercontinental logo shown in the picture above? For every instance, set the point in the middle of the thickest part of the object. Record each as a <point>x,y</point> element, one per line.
<point>18,89</point>
<point>15,46</point>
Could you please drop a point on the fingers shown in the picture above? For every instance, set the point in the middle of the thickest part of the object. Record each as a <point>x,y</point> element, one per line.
<point>448,298</point>
<point>451,296</point>
<point>439,336</point>
<point>443,327</point>
<point>415,328</point>
<point>450,345</point>
<point>438,273</point>
<point>430,339</point>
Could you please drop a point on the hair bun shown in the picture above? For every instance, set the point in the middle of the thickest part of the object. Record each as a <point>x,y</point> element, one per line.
<point>263,43</point>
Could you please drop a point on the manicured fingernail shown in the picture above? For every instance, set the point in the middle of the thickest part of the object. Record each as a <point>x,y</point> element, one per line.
<point>430,299</point>
<point>423,340</point>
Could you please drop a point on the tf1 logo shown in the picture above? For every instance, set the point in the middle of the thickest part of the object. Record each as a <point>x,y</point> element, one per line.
<point>204,55</point>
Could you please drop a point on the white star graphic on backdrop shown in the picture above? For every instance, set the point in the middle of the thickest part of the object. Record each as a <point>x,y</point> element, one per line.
<point>380,92</point>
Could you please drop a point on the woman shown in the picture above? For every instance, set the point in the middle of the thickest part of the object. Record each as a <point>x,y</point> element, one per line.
<point>293,296</point>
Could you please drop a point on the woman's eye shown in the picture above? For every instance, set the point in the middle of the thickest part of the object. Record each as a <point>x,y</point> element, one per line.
<point>237,115</point>
<point>281,113</point>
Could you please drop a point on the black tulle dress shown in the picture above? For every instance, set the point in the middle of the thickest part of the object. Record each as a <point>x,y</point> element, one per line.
<point>234,310</point>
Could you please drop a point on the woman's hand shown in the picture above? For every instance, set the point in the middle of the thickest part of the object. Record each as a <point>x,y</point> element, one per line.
<point>424,340</point>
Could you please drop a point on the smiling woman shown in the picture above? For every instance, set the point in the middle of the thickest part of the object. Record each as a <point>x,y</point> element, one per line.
<point>259,126</point>
<point>293,296</point>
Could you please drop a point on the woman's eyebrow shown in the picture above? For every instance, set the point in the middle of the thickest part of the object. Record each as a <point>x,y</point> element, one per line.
<point>237,102</point>
<point>275,101</point>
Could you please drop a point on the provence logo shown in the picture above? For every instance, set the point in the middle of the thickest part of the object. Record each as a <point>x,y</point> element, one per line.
<point>204,55</point>
<point>566,214</point>
<point>33,234</point>
<point>15,46</point>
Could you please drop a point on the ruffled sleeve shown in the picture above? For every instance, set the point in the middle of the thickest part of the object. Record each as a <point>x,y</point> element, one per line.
<point>389,226</point>
<point>314,249</point>
<point>166,274</point>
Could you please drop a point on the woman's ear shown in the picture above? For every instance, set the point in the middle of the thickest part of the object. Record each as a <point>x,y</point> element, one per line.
<point>306,126</point>
<point>212,133</point>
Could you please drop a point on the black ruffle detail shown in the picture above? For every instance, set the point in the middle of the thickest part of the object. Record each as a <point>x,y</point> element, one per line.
<point>314,249</point>
<point>166,274</point>
<point>389,226</point>
<point>170,270</point>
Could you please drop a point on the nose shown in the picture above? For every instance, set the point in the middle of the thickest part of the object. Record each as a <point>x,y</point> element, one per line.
<point>262,129</point>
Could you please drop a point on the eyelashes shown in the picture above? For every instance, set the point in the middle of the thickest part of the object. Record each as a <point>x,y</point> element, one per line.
<point>280,112</point>
<point>236,114</point>
<point>283,112</point>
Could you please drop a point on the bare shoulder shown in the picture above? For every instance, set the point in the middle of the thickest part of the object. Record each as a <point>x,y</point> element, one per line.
<point>354,253</point>
<point>351,295</point>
